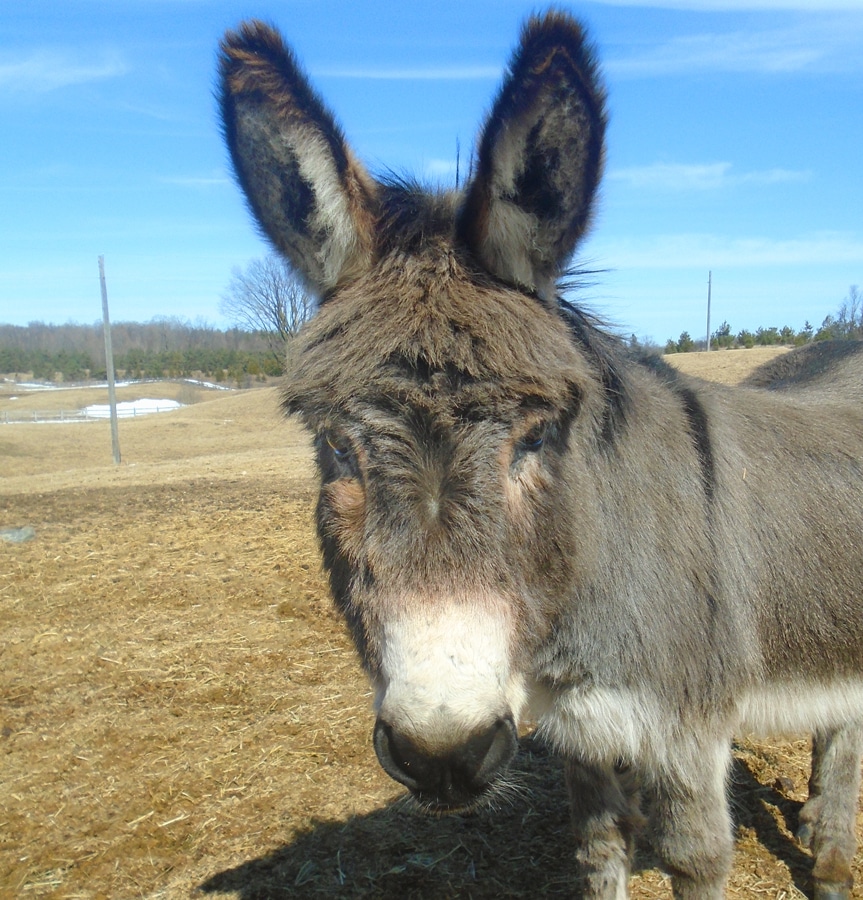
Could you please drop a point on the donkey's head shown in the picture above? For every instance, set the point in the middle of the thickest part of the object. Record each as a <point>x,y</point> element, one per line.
<point>442,383</point>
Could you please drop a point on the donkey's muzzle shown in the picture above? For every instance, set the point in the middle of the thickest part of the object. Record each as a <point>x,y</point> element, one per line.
<point>455,778</point>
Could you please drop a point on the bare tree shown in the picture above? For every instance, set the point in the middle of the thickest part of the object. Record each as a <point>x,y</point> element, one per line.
<point>851,312</point>
<point>848,321</point>
<point>267,297</point>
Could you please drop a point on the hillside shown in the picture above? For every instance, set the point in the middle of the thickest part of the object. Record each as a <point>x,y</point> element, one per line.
<point>724,366</point>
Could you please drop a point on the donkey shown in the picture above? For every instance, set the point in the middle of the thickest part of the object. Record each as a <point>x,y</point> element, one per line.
<point>521,523</point>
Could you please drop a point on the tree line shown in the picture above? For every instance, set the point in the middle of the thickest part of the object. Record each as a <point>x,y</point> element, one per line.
<point>847,323</point>
<point>268,306</point>
<point>266,303</point>
<point>161,348</point>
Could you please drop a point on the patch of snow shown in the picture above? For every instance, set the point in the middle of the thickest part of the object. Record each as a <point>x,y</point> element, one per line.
<point>208,384</point>
<point>129,408</point>
<point>17,535</point>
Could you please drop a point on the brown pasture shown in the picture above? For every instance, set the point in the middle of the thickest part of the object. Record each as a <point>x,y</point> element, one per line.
<point>180,711</point>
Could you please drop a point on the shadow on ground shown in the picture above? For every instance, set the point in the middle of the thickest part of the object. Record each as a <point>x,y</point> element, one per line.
<point>762,808</point>
<point>521,849</point>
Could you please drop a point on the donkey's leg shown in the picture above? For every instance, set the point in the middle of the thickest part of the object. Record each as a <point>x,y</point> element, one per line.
<point>605,815</point>
<point>827,820</point>
<point>691,823</point>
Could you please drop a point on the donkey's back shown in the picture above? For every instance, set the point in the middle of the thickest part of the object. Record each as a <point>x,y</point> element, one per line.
<point>794,519</point>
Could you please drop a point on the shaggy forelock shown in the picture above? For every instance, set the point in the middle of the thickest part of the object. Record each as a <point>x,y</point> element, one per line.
<point>427,326</point>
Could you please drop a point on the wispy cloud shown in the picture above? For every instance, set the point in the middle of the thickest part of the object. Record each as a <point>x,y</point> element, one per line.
<point>818,44</point>
<point>741,5</point>
<point>700,176</point>
<point>418,73</point>
<point>705,251</point>
<point>47,70</point>
<point>216,179</point>
<point>441,168</point>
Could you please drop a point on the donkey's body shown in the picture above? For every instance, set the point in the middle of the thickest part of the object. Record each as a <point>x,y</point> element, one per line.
<point>520,521</point>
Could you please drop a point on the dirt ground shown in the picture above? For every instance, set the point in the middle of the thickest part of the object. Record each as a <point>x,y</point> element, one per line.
<point>181,714</point>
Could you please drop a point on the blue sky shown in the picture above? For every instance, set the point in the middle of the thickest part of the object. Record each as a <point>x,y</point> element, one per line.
<point>735,145</point>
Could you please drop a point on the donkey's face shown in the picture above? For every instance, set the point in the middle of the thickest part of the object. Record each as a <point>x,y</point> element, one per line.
<point>443,387</point>
<point>445,523</point>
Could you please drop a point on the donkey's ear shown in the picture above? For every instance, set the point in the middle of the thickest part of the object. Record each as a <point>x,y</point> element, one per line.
<point>311,198</point>
<point>539,158</point>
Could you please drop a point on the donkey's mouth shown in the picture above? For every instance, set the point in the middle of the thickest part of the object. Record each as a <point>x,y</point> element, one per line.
<point>456,780</point>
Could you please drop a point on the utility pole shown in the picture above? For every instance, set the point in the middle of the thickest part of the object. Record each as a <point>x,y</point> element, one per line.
<point>109,365</point>
<point>709,285</point>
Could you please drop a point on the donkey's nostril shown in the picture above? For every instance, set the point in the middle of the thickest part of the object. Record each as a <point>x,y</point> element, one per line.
<point>401,759</point>
<point>452,778</point>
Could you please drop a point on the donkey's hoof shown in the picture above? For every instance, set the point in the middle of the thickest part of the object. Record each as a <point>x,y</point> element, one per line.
<point>827,890</point>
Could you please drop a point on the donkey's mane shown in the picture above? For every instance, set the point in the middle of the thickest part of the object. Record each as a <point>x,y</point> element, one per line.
<point>412,215</point>
<point>607,353</point>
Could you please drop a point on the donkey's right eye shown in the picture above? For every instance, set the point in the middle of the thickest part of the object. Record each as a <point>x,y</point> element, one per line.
<point>339,446</point>
<point>337,455</point>
<point>533,441</point>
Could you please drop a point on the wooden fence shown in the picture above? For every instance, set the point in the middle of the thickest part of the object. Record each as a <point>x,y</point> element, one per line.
<point>43,416</point>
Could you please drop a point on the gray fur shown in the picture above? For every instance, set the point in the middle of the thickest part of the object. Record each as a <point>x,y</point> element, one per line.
<point>658,563</point>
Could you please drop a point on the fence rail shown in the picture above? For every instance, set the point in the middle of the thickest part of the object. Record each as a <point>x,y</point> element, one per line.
<point>43,416</point>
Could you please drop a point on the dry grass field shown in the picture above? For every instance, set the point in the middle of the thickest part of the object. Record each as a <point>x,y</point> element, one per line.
<point>180,711</point>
